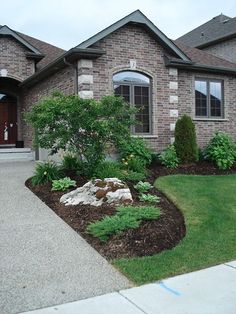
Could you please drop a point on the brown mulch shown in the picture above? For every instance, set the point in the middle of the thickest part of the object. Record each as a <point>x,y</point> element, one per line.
<point>199,168</point>
<point>151,237</point>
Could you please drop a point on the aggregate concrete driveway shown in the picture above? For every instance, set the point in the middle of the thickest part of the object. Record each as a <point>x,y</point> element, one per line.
<point>43,262</point>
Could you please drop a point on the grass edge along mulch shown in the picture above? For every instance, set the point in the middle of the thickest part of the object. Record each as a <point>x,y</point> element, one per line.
<point>208,205</point>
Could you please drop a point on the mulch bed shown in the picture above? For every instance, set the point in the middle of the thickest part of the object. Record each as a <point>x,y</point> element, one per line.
<point>199,168</point>
<point>150,238</point>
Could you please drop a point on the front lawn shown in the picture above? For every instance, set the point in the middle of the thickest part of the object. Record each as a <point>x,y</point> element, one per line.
<point>209,207</point>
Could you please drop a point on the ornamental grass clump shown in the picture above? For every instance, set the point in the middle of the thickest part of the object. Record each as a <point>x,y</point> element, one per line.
<point>45,172</point>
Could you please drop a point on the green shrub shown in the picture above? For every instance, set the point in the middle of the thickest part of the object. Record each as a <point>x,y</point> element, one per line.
<point>127,217</point>
<point>62,184</point>
<point>108,169</point>
<point>221,150</point>
<point>136,147</point>
<point>185,140</point>
<point>149,198</point>
<point>81,126</point>
<point>143,187</point>
<point>71,163</point>
<point>169,157</point>
<point>135,164</point>
<point>133,176</point>
<point>45,172</point>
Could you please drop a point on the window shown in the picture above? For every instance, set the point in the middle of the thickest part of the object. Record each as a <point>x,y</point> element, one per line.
<point>208,98</point>
<point>134,87</point>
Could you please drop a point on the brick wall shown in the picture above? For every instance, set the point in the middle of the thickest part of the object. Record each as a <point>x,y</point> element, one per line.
<point>206,127</point>
<point>172,91</point>
<point>225,49</point>
<point>13,59</point>
<point>63,81</point>
<point>134,43</point>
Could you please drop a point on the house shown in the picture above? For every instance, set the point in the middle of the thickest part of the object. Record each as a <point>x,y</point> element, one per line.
<point>217,36</point>
<point>131,58</point>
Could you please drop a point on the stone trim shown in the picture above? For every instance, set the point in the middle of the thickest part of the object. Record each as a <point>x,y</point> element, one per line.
<point>85,79</point>
<point>174,113</point>
<point>173,71</point>
<point>174,99</point>
<point>85,63</point>
<point>173,85</point>
<point>172,127</point>
<point>86,94</point>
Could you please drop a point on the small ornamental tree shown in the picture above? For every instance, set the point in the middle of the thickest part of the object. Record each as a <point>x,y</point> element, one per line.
<point>185,140</point>
<point>81,126</point>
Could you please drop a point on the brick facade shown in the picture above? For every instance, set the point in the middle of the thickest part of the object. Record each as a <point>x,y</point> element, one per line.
<point>225,49</point>
<point>13,59</point>
<point>134,43</point>
<point>63,81</point>
<point>206,127</point>
<point>172,90</point>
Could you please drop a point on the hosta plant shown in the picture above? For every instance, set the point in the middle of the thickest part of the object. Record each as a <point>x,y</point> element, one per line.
<point>149,198</point>
<point>143,187</point>
<point>63,184</point>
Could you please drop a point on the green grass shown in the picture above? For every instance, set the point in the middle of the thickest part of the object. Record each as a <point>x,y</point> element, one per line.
<point>209,207</point>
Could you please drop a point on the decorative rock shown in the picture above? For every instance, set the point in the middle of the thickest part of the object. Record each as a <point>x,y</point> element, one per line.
<point>98,192</point>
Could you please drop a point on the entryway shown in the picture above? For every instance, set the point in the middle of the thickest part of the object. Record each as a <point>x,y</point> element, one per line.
<point>8,120</point>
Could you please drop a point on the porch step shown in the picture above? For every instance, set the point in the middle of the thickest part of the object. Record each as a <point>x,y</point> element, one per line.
<point>16,154</point>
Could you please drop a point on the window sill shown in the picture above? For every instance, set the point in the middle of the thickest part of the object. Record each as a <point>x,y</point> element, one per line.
<point>211,119</point>
<point>145,136</point>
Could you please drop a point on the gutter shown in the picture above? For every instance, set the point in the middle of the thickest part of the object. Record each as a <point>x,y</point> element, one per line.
<point>70,56</point>
<point>199,67</point>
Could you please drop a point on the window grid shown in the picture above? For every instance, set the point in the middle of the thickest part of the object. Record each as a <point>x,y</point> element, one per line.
<point>138,96</point>
<point>208,98</point>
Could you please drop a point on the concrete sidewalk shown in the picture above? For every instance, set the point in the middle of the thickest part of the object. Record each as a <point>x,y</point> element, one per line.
<point>208,291</point>
<point>43,261</point>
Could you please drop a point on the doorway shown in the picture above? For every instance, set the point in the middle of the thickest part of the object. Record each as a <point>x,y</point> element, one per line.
<point>8,120</point>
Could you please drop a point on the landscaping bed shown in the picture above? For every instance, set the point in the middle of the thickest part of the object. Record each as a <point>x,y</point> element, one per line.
<point>208,205</point>
<point>149,238</point>
<point>200,168</point>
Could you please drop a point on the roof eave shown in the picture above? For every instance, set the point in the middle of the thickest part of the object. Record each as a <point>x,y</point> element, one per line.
<point>200,67</point>
<point>71,55</point>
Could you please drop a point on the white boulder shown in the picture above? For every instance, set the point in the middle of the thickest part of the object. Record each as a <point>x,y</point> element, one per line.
<point>98,192</point>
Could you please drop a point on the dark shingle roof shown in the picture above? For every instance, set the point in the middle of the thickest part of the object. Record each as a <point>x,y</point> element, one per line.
<point>51,52</point>
<point>204,58</point>
<point>214,30</point>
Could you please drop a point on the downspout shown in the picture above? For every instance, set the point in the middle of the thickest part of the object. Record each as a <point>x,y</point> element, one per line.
<point>73,66</point>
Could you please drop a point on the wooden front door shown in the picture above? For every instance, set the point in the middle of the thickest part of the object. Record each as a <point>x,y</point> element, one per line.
<point>8,120</point>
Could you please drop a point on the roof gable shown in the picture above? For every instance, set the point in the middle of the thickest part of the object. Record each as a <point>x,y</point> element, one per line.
<point>6,31</point>
<point>136,17</point>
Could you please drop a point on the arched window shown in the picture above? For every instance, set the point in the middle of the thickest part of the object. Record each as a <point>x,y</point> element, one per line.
<point>134,87</point>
